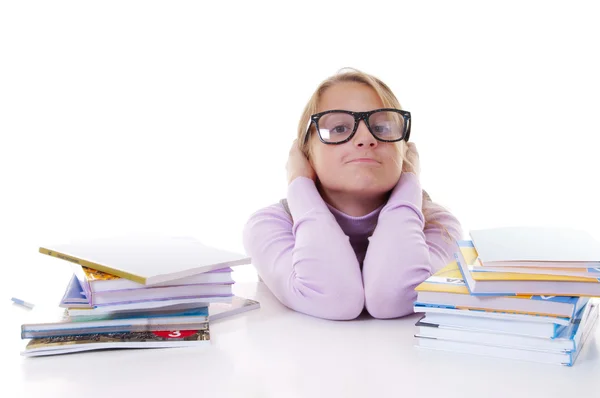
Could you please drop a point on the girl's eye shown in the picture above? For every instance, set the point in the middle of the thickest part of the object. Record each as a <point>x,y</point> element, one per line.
<point>339,129</point>
<point>381,129</point>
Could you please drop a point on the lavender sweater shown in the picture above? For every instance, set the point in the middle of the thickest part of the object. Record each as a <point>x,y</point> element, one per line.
<point>322,262</point>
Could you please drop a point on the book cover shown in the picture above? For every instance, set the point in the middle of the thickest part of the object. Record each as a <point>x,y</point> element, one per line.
<point>529,243</point>
<point>238,305</point>
<point>43,322</point>
<point>78,343</point>
<point>147,260</point>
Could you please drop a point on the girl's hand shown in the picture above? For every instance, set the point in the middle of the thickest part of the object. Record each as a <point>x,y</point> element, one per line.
<point>411,163</point>
<point>298,165</point>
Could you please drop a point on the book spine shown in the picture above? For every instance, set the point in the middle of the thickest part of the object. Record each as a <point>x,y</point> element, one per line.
<point>92,265</point>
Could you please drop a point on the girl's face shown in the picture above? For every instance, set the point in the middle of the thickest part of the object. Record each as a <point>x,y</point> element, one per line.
<point>362,166</point>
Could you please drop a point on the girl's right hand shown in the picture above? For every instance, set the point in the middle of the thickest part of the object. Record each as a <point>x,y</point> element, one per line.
<point>298,165</point>
<point>412,162</point>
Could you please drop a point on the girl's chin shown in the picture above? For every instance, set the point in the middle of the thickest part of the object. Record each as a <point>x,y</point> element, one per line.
<point>373,188</point>
<point>360,182</point>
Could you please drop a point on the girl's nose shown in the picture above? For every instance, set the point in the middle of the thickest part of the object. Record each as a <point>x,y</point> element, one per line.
<point>363,137</point>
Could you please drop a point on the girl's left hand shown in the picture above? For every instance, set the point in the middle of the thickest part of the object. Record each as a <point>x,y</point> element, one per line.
<point>411,163</point>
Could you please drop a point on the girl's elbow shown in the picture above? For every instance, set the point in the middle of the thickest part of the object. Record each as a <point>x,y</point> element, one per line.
<point>387,306</point>
<point>389,312</point>
<point>341,306</point>
<point>350,307</point>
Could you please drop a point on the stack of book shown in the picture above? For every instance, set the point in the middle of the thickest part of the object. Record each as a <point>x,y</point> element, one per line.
<point>136,292</point>
<point>522,293</point>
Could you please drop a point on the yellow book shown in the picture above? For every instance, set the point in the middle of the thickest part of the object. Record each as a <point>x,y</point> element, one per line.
<point>447,289</point>
<point>147,260</point>
<point>447,280</point>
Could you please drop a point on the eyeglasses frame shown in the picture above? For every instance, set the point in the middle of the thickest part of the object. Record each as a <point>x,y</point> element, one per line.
<point>358,116</point>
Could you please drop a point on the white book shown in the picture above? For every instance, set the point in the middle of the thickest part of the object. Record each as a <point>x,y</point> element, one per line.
<point>559,358</point>
<point>157,305</point>
<point>161,293</point>
<point>146,260</point>
<point>534,329</point>
<point>537,354</point>
<point>535,244</point>
<point>93,281</point>
<point>237,305</point>
<point>482,314</point>
<point>590,288</point>
<point>567,341</point>
<point>552,306</point>
<point>589,272</point>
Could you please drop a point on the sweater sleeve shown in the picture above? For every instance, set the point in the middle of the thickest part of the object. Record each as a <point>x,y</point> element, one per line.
<point>307,263</point>
<point>401,253</point>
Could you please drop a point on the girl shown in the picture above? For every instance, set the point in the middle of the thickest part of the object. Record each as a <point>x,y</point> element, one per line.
<point>356,230</point>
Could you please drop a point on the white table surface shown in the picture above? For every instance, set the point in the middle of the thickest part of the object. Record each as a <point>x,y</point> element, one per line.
<point>275,352</point>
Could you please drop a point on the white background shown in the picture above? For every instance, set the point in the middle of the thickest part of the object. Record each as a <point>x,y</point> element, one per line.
<point>176,116</point>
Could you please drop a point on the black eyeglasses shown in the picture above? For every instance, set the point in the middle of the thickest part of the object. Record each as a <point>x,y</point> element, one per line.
<point>339,126</point>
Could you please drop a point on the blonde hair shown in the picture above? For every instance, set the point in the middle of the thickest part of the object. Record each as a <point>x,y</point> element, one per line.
<point>430,210</point>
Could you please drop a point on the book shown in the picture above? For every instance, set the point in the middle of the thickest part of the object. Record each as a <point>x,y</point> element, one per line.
<point>531,285</point>
<point>471,256</point>
<point>148,305</point>
<point>517,352</point>
<point>521,244</point>
<point>589,272</point>
<point>160,293</point>
<point>147,260</point>
<point>566,341</point>
<point>47,322</point>
<point>79,343</point>
<point>484,314</point>
<point>74,298</point>
<point>447,288</point>
<point>238,305</point>
<point>94,281</point>
<point>525,328</point>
